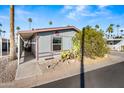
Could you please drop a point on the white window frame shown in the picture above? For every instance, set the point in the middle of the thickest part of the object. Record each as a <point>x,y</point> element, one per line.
<point>56,44</point>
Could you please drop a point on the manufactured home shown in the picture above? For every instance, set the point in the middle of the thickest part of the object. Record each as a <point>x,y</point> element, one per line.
<point>4,46</point>
<point>46,42</point>
<point>116,44</point>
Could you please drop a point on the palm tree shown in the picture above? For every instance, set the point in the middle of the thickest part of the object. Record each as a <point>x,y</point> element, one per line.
<point>110,29</point>
<point>117,29</point>
<point>18,28</point>
<point>12,41</point>
<point>88,27</point>
<point>0,29</point>
<point>4,32</point>
<point>30,21</point>
<point>1,32</point>
<point>0,25</point>
<point>121,31</point>
<point>50,22</point>
<point>97,26</point>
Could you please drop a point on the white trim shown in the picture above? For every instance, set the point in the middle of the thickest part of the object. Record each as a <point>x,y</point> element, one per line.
<point>57,44</point>
<point>21,38</point>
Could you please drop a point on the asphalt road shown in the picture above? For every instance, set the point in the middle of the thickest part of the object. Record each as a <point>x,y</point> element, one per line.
<point>107,77</point>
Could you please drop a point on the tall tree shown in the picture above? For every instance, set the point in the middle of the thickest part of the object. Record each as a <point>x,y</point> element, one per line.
<point>0,29</point>
<point>12,34</point>
<point>97,26</point>
<point>1,32</point>
<point>4,32</point>
<point>0,25</point>
<point>50,22</point>
<point>110,29</point>
<point>30,21</point>
<point>121,31</point>
<point>117,29</point>
<point>18,28</point>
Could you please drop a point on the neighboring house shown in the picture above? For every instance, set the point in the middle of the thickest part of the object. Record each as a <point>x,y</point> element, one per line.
<point>116,44</point>
<point>46,42</point>
<point>5,44</point>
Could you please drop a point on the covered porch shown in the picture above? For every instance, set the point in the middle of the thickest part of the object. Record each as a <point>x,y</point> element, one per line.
<point>27,47</point>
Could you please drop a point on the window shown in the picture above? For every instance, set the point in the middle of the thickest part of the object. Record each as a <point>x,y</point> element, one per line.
<point>57,43</point>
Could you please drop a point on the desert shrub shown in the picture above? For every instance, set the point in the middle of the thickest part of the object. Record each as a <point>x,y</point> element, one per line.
<point>68,54</point>
<point>122,48</point>
<point>94,44</point>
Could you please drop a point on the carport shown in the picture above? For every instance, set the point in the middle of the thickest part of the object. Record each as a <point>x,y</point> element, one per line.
<point>27,43</point>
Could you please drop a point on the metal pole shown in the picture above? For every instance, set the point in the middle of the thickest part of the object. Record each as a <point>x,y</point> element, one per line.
<point>7,46</point>
<point>18,49</point>
<point>1,46</point>
<point>82,78</point>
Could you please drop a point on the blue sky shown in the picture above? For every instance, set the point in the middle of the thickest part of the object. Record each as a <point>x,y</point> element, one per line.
<point>78,16</point>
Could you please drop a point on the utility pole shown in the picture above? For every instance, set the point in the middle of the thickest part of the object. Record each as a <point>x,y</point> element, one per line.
<point>82,78</point>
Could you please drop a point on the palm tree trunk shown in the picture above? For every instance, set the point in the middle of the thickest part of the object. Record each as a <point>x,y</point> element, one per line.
<point>117,31</point>
<point>12,41</point>
<point>109,35</point>
<point>29,25</point>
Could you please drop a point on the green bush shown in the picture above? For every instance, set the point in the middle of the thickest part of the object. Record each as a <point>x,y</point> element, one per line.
<point>122,48</point>
<point>94,44</point>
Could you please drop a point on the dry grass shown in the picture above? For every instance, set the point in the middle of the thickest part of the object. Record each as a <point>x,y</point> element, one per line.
<point>7,70</point>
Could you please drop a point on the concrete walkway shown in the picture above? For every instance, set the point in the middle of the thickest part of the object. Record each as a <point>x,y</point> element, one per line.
<point>28,66</point>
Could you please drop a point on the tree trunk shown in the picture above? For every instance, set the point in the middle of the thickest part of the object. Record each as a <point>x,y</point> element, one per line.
<point>117,31</point>
<point>12,41</point>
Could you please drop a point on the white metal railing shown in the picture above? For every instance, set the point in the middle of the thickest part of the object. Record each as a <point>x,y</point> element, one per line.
<point>117,46</point>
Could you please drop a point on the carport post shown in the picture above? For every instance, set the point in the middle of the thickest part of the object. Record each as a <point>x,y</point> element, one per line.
<point>36,47</point>
<point>1,46</point>
<point>7,47</point>
<point>18,49</point>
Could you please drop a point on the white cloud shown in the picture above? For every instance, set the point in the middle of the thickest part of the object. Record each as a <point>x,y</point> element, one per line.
<point>21,12</point>
<point>102,6</point>
<point>71,15</point>
<point>76,12</point>
<point>80,8</point>
<point>68,7</point>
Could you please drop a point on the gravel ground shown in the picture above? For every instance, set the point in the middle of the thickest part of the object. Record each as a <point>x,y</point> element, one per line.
<point>7,70</point>
<point>56,64</point>
<point>49,65</point>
